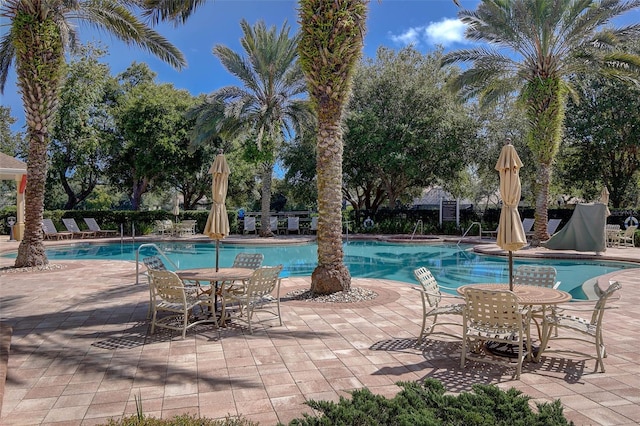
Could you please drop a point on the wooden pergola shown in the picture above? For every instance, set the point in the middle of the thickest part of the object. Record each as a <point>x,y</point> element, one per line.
<point>13,169</point>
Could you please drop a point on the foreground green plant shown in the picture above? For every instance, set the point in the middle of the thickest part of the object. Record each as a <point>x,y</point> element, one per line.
<point>427,404</point>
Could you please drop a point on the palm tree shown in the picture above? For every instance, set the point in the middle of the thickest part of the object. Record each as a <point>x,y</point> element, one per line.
<point>543,42</point>
<point>268,109</point>
<point>39,35</point>
<point>330,46</point>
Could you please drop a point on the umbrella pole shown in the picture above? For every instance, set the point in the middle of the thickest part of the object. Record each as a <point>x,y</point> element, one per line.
<point>217,254</point>
<point>510,270</point>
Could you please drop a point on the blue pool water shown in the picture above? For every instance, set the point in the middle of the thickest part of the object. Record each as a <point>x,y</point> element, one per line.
<point>452,265</point>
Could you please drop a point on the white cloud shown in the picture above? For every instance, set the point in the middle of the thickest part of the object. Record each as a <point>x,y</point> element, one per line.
<point>445,32</point>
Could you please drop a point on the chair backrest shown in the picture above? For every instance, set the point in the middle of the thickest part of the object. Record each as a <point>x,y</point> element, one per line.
<point>598,312</point>
<point>293,223</point>
<point>535,275</point>
<point>314,223</point>
<point>154,263</point>
<point>273,223</point>
<point>527,224</point>
<point>492,310</point>
<point>629,231</point>
<point>49,227</point>
<point>167,286</point>
<point>612,227</point>
<point>429,286</point>
<point>70,224</point>
<point>552,226</point>
<point>263,281</point>
<point>249,223</point>
<point>248,260</point>
<point>92,224</point>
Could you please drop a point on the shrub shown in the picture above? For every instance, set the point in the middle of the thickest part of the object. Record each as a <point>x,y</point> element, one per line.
<point>427,404</point>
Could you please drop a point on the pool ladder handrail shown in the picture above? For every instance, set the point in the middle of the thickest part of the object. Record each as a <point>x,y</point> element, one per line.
<point>469,229</point>
<point>160,252</point>
<point>415,228</point>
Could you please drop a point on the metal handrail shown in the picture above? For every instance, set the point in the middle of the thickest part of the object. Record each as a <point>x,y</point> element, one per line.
<point>160,252</point>
<point>415,228</point>
<point>469,229</point>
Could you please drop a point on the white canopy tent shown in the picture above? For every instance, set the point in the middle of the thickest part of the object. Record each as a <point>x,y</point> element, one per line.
<point>16,170</point>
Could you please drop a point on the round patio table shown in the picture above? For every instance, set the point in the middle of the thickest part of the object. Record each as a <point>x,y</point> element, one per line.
<point>528,295</point>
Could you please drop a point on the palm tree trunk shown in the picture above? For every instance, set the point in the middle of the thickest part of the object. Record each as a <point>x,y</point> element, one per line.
<point>545,100</point>
<point>265,206</point>
<point>331,275</point>
<point>39,62</point>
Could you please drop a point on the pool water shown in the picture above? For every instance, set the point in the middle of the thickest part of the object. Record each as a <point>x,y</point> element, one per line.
<point>452,265</point>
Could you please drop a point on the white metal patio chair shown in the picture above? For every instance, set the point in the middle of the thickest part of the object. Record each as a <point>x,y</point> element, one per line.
<point>493,316</point>
<point>256,295</point>
<point>626,238</point>
<point>169,295</point>
<point>587,330</point>
<point>431,297</point>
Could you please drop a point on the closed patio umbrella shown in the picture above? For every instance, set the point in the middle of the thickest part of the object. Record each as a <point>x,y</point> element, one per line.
<point>217,226</point>
<point>511,236</point>
<point>176,208</point>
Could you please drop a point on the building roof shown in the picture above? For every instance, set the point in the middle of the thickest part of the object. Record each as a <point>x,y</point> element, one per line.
<point>11,167</point>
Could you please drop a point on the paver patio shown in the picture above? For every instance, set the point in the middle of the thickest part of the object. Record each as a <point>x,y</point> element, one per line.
<point>80,353</point>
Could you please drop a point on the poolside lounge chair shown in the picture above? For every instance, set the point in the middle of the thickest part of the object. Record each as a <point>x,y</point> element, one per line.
<point>552,226</point>
<point>490,234</point>
<point>168,294</point>
<point>493,316</point>
<point>93,226</point>
<point>250,225</point>
<point>293,225</point>
<point>431,307</point>
<point>588,330</point>
<point>256,295</point>
<point>527,225</point>
<point>72,226</point>
<point>313,228</point>
<point>50,231</point>
<point>273,224</point>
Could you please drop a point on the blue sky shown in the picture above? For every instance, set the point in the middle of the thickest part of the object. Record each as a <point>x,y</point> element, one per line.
<point>390,23</point>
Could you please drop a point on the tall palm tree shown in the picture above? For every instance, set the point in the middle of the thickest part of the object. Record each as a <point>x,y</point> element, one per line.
<point>269,107</point>
<point>39,34</point>
<point>329,48</point>
<point>539,44</point>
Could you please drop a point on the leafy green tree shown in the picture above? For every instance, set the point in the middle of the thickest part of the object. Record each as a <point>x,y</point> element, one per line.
<point>330,46</point>
<point>602,143</point>
<point>543,43</point>
<point>268,109</point>
<point>38,36</point>
<point>403,133</point>
<point>77,150</point>
<point>152,137</point>
<point>9,141</point>
<point>299,160</point>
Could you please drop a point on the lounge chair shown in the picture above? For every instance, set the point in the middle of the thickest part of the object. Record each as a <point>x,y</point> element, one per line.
<point>256,295</point>
<point>552,226</point>
<point>431,307</point>
<point>293,225</point>
<point>313,228</point>
<point>587,330</point>
<point>72,226</point>
<point>51,233</point>
<point>527,225</point>
<point>493,316</point>
<point>250,225</point>
<point>93,226</point>
<point>490,234</point>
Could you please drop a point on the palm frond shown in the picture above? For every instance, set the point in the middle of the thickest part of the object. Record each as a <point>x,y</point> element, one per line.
<point>176,11</point>
<point>111,17</point>
<point>7,55</point>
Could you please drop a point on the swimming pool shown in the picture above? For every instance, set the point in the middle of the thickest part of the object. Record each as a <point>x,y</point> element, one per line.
<point>452,265</point>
